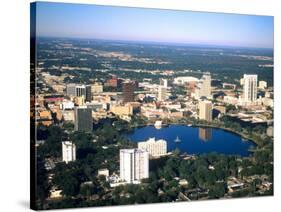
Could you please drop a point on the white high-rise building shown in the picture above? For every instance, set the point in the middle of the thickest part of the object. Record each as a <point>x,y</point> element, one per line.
<point>155,148</point>
<point>203,88</point>
<point>134,165</point>
<point>162,93</point>
<point>250,87</point>
<point>68,151</point>
<point>205,110</point>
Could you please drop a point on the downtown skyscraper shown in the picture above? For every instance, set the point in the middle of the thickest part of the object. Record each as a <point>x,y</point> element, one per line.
<point>162,93</point>
<point>203,88</point>
<point>79,90</point>
<point>250,87</point>
<point>83,120</point>
<point>128,91</point>
<point>205,110</point>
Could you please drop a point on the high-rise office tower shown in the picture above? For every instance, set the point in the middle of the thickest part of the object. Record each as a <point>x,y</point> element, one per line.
<point>154,147</point>
<point>79,90</point>
<point>83,120</point>
<point>205,110</point>
<point>250,87</point>
<point>68,151</point>
<point>71,89</point>
<point>88,95</point>
<point>203,88</point>
<point>134,165</point>
<point>162,93</point>
<point>128,91</point>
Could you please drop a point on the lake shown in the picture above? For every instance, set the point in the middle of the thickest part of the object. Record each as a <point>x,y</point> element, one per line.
<point>195,140</point>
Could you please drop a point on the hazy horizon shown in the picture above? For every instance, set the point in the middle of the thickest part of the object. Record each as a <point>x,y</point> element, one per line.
<point>156,42</point>
<point>124,24</point>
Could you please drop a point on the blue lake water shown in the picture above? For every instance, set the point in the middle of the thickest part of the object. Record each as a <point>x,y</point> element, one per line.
<point>195,140</point>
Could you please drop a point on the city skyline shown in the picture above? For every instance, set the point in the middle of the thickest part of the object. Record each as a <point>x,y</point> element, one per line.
<point>153,25</point>
<point>131,134</point>
<point>126,123</point>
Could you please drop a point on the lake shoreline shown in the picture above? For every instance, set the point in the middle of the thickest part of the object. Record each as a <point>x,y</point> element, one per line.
<point>205,126</point>
<point>149,130</point>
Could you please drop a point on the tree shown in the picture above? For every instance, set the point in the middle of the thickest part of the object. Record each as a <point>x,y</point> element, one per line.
<point>70,185</point>
<point>217,191</point>
<point>42,186</point>
<point>230,108</point>
<point>52,146</point>
<point>68,125</point>
<point>87,190</point>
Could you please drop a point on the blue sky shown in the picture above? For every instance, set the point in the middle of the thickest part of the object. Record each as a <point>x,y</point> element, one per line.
<point>136,24</point>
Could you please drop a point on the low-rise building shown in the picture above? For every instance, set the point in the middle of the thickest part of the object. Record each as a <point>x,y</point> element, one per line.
<point>103,172</point>
<point>262,85</point>
<point>67,105</point>
<point>97,88</point>
<point>79,100</point>
<point>269,131</point>
<point>230,100</point>
<point>185,80</point>
<point>220,108</point>
<point>122,110</point>
<point>175,115</point>
<point>267,102</point>
<point>234,184</point>
<point>183,182</point>
<point>55,193</point>
<point>44,117</point>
